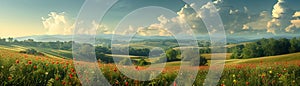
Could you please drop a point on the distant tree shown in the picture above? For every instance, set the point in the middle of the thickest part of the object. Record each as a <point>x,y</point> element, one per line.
<point>171,54</point>
<point>10,39</point>
<point>252,50</point>
<point>205,50</point>
<point>16,41</point>
<point>295,46</point>
<point>102,49</point>
<point>2,41</point>
<point>103,58</point>
<point>269,46</point>
<point>32,52</point>
<point>283,46</point>
<point>30,40</point>
<point>237,52</point>
<point>143,62</point>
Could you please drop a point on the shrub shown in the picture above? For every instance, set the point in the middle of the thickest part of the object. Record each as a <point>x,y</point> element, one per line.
<point>143,62</point>
<point>32,52</point>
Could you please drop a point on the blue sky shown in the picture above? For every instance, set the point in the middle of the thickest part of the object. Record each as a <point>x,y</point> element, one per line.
<point>36,17</point>
<point>23,17</point>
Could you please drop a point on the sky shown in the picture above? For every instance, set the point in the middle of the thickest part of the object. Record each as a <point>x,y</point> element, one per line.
<point>57,17</point>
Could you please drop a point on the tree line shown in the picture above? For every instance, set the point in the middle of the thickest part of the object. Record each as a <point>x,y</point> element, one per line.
<point>66,45</point>
<point>266,47</point>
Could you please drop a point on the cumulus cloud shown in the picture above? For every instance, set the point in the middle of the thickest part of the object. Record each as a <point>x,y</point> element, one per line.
<point>156,29</point>
<point>187,21</point>
<point>295,23</point>
<point>259,23</point>
<point>297,14</point>
<point>281,16</point>
<point>236,19</point>
<point>60,24</point>
<point>246,27</point>
<point>56,23</point>
<point>100,29</point>
<point>279,9</point>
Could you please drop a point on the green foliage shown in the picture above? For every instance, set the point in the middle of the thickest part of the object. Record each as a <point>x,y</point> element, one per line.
<point>205,50</point>
<point>101,49</point>
<point>31,43</point>
<point>252,50</point>
<point>237,52</point>
<point>143,62</point>
<point>103,58</point>
<point>266,47</point>
<point>32,52</point>
<point>171,54</point>
<point>295,45</point>
<point>139,51</point>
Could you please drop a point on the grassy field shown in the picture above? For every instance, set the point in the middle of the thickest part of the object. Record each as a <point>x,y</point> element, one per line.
<point>217,56</point>
<point>271,59</point>
<point>46,51</point>
<point>23,69</point>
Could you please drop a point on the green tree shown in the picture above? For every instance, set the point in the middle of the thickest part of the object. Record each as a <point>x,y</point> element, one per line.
<point>252,50</point>
<point>171,54</point>
<point>294,45</point>
<point>142,62</point>
<point>10,39</point>
<point>269,46</point>
<point>236,53</point>
<point>283,46</point>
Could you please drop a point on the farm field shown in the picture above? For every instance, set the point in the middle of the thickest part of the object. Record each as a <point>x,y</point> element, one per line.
<point>23,69</point>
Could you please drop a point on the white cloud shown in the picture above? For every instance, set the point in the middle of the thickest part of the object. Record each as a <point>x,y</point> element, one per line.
<point>260,23</point>
<point>100,29</point>
<point>59,24</point>
<point>246,27</point>
<point>246,10</point>
<point>56,23</point>
<point>162,19</point>
<point>272,25</point>
<point>279,9</point>
<point>207,10</point>
<point>233,11</point>
<point>217,1</point>
<point>295,24</point>
<point>281,17</point>
<point>156,29</point>
<point>297,14</point>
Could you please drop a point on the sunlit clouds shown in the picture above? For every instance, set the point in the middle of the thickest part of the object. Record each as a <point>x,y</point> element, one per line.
<point>281,19</point>
<point>57,23</point>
